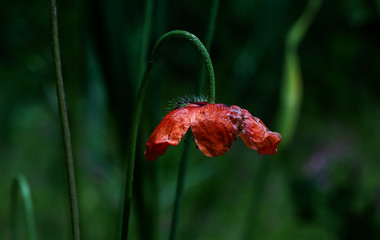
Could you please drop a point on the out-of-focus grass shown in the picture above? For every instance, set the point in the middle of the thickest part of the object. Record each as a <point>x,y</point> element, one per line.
<point>292,85</point>
<point>21,190</point>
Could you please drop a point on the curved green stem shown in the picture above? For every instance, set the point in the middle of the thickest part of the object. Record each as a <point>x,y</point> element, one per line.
<point>198,44</point>
<point>64,123</point>
<point>20,185</point>
<point>138,106</point>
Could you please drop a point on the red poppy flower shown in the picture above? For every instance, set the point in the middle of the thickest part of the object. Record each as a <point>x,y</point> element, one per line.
<point>215,127</point>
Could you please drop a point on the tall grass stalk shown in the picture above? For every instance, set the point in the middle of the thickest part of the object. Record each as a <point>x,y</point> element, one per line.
<point>179,191</point>
<point>20,185</point>
<point>291,97</point>
<point>146,212</point>
<point>146,33</point>
<point>138,107</point>
<point>208,40</point>
<point>184,158</point>
<point>74,212</point>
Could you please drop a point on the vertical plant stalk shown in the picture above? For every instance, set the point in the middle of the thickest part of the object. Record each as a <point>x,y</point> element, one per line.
<point>290,102</point>
<point>208,39</point>
<point>146,212</point>
<point>211,24</point>
<point>149,5</point>
<point>138,106</point>
<point>179,191</point>
<point>292,87</point>
<point>20,185</point>
<point>260,177</point>
<point>184,157</point>
<point>64,123</point>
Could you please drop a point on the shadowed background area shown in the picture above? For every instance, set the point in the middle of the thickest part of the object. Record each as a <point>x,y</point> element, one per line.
<point>324,183</point>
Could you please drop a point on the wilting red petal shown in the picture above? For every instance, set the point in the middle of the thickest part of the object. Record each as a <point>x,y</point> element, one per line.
<point>170,131</point>
<point>215,127</point>
<point>257,136</point>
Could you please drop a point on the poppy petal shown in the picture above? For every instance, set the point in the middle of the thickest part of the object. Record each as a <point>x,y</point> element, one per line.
<point>257,136</point>
<point>170,131</point>
<point>215,127</point>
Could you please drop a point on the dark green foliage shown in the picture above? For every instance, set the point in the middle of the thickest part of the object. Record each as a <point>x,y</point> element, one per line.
<point>323,185</point>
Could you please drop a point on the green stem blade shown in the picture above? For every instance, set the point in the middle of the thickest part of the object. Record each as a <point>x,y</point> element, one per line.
<point>208,39</point>
<point>184,158</point>
<point>20,185</point>
<point>146,35</point>
<point>74,212</point>
<point>138,107</point>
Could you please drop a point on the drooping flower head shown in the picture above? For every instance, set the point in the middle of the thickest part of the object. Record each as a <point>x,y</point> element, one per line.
<point>214,126</point>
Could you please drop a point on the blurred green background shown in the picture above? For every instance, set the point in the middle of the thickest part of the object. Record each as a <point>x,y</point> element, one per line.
<point>323,184</point>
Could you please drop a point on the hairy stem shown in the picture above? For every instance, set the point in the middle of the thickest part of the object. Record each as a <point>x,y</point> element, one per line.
<point>138,106</point>
<point>20,185</point>
<point>64,123</point>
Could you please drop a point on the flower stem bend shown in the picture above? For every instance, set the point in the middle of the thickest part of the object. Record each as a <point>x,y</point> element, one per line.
<point>138,107</point>
<point>198,44</point>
